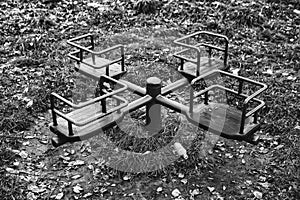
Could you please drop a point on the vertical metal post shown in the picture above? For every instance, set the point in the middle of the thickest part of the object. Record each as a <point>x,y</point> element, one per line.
<point>123,59</point>
<point>92,42</point>
<point>52,110</point>
<point>92,48</point>
<point>70,128</point>
<point>81,55</point>
<point>243,118</point>
<point>181,64</point>
<point>240,86</point>
<point>209,52</point>
<point>107,70</point>
<point>226,53</point>
<point>198,62</point>
<point>191,101</point>
<point>103,101</point>
<point>209,56</point>
<point>118,103</point>
<point>255,117</point>
<point>206,98</point>
<point>153,110</point>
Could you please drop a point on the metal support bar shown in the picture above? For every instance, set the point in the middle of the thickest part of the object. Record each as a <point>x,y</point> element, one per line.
<point>191,101</point>
<point>70,128</point>
<point>134,88</point>
<point>206,98</point>
<point>136,104</point>
<point>241,82</point>
<point>103,101</point>
<point>181,63</point>
<point>54,118</point>
<point>178,107</point>
<point>174,86</point>
<point>153,109</point>
<point>255,117</point>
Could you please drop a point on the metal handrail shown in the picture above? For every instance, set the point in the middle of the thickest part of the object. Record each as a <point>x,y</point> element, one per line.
<point>197,49</point>
<point>77,106</point>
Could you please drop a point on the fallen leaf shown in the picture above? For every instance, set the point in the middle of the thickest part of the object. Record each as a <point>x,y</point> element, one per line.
<point>59,196</point>
<point>102,190</point>
<point>181,151</point>
<point>35,189</point>
<point>211,189</point>
<point>11,170</point>
<point>23,154</point>
<point>87,195</point>
<point>279,146</point>
<point>16,164</point>
<point>76,177</point>
<point>269,72</point>
<point>31,196</point>
<point>228,155</point>
<point>159,189</point>
<point>77,189</point>
<point>291,78</point>
<point>297,11</point>
<point>195,192</point>
<point>258,194</point>
<point>285,74</point>
<point>180,175</point>
<point>77,163</point>
<point>65,158</point>
<point>266,185</point>
<point>262,178</point>
<point>176,193</point>
<point>235,71</point>
<point>43,141</point>
<point>26,143</point>
<point>126,178</point>
<point>184,181</point>
<point>242,151</point>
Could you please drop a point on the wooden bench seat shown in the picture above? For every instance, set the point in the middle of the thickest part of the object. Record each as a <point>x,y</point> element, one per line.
<point>223,120</point>
<point>206,64</point>
<point>86,131</point>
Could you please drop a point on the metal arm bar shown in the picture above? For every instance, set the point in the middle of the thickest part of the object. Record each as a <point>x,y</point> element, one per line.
<point>174,86</point>
<point>81,37</point>
<point>264,86</point>
<point>94,53</point>
<point>178,107</point>
<point>180,40</point>
<point>134,88</point>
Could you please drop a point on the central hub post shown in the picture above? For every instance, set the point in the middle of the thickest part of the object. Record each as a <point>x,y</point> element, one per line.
<point>153,110</point>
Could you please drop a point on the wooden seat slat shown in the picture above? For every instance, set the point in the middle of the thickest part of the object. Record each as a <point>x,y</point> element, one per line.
<point>89,129</point>
<point>206,64</point>
<point>220,117</point>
